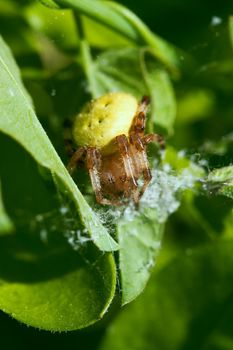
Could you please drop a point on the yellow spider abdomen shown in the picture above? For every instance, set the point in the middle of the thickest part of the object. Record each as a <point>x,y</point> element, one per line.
<point>103,119</point>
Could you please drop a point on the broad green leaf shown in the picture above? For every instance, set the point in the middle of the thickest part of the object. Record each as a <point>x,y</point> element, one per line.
<point>100,12</point>
<point>187,305</point>
<point>221,181</point>
<point>19,121</point>
<point>140,232</point>
<point>48,263</point>
<point>101,36</point>
<point>56,290</point>
<point>123,21</point>
<point>126,70</point>
<point>60,27</point>
<point>6,225</point>
<point>139,238</point>
<point>163,102</point>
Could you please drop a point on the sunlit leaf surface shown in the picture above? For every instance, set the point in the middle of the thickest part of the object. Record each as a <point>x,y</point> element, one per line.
<point>55,290</point>
<point>140,242</point>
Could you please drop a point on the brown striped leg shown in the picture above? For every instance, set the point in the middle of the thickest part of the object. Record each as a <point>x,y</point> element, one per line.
<point>130,179</point>
<point>140,158</point>
<point>139,122</point>
<point>154,138</point>
<point>93,161</point>
<point>72,165</point>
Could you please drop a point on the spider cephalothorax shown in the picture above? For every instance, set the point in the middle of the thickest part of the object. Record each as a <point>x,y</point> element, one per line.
<point>112,145</point>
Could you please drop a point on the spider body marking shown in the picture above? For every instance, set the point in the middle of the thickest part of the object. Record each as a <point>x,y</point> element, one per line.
<point>112,145</point>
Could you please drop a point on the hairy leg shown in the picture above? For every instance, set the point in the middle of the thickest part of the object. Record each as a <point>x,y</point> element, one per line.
<point>77,155</point>
<point>154,138</point>
<point>130,179</point>
<point>139,122</point>
<point>93,161</point>
<point>140,159</point>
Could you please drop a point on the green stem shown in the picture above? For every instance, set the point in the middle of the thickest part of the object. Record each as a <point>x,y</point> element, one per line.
<point>86,58</point>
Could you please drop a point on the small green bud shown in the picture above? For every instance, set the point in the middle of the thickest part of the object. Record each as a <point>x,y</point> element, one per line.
<point>103,119</point>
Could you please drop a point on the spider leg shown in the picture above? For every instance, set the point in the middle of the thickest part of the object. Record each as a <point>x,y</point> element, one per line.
<point>141,160</point>
<point>139,122</point>
<point>154,138</point>
<point>94,166</point>
<point>130,179</point>
<point>77,155</point>
<point>143,105</point>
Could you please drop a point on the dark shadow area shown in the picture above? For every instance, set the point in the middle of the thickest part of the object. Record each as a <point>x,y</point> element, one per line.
<point>25,192</point>
<point>28,338</point>
<point>179,21</point>
<point>23,259</point>
<point>214,209</point>
<point>203,327</point>
<point>32,203</point>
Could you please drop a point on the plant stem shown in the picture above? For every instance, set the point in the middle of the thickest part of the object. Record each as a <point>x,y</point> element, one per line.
<point>86,58</point>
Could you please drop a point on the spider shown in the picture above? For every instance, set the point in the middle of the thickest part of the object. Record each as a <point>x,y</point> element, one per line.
<point>112,146</point>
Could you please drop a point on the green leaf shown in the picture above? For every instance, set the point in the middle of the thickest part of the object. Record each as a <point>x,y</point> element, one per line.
<point>140,231</point>
<point>140,241</point>
<point>163,102</point>
<point>6,225</point>
<point>220,181</point>
<point>123,21</point>
<point>56,290</point>
<point>128,70</point>
<point>60,27</point>
<point>187,305</point>
<point>100,12</point>
<point>48,264</point>
<point>57,25</point>
<point>19,121</point>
